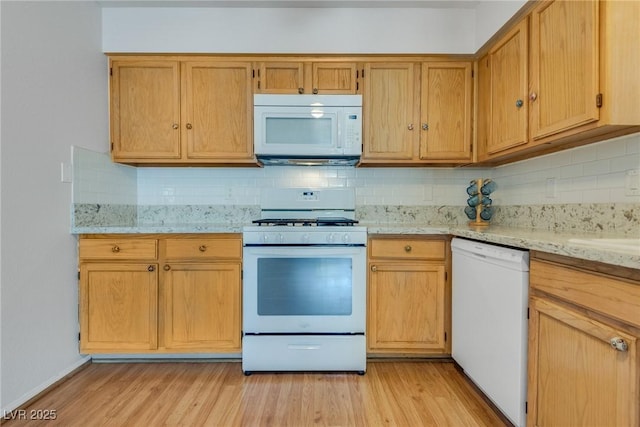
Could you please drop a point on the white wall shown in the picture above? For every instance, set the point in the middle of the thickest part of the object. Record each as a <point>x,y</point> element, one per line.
<point>53,96</point>
<point>284,30</point>
<point>491,15</point>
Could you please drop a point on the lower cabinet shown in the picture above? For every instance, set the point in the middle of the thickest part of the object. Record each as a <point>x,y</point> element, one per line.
<point>584,334</point>
<point>156,294</point>
<point>409,298</point>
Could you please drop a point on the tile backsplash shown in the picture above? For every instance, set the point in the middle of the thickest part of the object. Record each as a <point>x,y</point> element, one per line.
<point>583,179</point>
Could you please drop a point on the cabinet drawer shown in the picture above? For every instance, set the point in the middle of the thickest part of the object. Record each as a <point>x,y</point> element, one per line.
<point>614,298</point>
<point>118,248</point>
<point>205,248</point>
<point>407,248</point>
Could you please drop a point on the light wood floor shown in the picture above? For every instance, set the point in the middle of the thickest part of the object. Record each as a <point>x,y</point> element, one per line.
<point>402,393</point>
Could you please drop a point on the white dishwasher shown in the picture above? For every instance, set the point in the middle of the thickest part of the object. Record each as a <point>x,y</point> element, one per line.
<point>489,321</point>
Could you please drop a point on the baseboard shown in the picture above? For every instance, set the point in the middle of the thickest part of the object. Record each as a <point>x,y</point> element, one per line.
<point>37,392</point>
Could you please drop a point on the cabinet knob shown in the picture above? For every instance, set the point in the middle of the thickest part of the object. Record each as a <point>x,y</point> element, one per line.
<point>410,127</point>
<point>175,126</point>
<point>300,90</point>
<point>189,126</point>
<point>425,126</point>
<point>315,90</point>
<point>115,249</point>
<point>151,268</point>
<point>533,96</point>
<point>519,103</point>
<point>619,344</point>
<point>407,248</point>
<point>202,248</point>
<point>166,267</point>
<point>374,268</point>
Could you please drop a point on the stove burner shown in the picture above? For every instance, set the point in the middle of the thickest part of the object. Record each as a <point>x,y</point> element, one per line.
<point>306,222</point>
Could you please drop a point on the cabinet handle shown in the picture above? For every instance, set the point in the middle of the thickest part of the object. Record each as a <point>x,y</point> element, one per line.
<point>374,268</point>
<point>151,268</point>
<point>533,96</point>
<point>300,90</point>
<point>175,126</point>
<point>189,126</point>
<point>410,127</point>
<point>519,103</point>
<point>115,249</point>
<point>315,90</point>
<point>407,248</point>
<point>619,344</point>
<point>425,126</point>
<point>202,248</point>
<point>166,267</point>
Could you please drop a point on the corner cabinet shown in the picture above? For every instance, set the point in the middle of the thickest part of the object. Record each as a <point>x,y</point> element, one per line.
<point>584,335</point>
<point>409,296</point>
<point>417,113</point>
<point>173,111</point>
<point>157,294</point>
<point>581,58</point>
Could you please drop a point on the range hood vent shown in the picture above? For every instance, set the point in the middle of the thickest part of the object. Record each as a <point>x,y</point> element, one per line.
<point>308,161</point>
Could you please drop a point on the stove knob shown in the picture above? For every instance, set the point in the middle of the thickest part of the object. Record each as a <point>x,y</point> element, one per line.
<point>346,238</point>
<point>305,238</point>
<point>281,237</point>
<point>265,238</point>
<point>331,237</point>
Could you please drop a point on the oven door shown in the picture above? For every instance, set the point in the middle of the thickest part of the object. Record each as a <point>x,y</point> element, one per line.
<point>304,289</point>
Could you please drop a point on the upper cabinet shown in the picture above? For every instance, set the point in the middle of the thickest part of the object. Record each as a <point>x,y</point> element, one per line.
<point>417,113</point>
<point>564,66</point>
<point>170,111</point>
<point>571,80</point>
<point>317,78</point>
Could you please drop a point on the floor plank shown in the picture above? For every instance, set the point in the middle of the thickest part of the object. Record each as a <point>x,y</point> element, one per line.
<point>398,393</point>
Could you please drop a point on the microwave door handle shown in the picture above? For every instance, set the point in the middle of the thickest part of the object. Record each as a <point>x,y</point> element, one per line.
<point>339,119</point>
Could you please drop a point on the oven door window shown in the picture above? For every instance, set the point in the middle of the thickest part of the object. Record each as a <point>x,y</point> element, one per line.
<point>304,286</point>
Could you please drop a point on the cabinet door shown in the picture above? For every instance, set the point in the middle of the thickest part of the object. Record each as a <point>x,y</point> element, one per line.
<point>406,308</point>
<point>564,66</point>
<point>575,376</point>
<point>118,307</point>
<point>202,306</point>
<point>334,78</point>
<point>217,110</point>
<point>509,107</point>
<point>390,111</point>
<point>445,111</point>
<point>145,110</point>
<point>280,77</point>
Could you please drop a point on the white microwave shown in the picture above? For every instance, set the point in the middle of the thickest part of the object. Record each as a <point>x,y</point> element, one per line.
<point>307,129</point>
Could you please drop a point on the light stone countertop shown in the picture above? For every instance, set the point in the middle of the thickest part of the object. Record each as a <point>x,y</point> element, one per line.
<point>558,243</point>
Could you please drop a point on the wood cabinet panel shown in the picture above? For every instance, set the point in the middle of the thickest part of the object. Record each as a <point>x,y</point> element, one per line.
<point>445,109</point>
<point>118,307</point>
<point>407,248</point>
<point>390,111</point>
<point>123,248</point>
<point>615,298</point>
<point>508,98</point>
<point>285,77</point>
<point>217,110</point>
<point>564,66</point>
<point>145,109</point>
<point>203,248</point>
<point>406,307</point>
<point>334,78</point>
<point>575,376</point>
<point>203,306</point>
